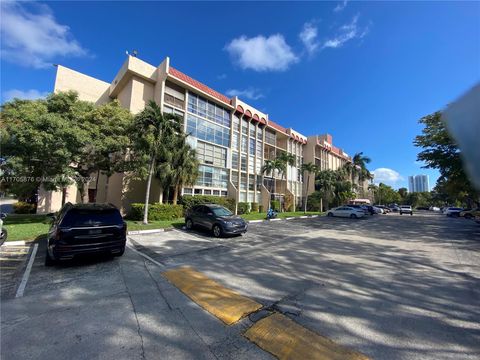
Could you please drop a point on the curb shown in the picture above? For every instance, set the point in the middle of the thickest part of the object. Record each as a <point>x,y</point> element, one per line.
<point>14,243</point>
<point>150,231</point>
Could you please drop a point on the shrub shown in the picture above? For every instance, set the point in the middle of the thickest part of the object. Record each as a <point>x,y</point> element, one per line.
<point>276,205</point>
<point>254,207</point>
<point>23,208</point>
<point>156,211</point>
<point>188,201</point>
<point>243,208</point>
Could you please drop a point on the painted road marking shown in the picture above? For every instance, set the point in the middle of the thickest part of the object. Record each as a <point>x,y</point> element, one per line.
<point>224,303</point>
<point>286,339</point>
<point>26,274</point>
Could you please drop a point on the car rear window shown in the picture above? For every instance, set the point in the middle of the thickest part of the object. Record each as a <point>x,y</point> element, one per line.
<point>81,218</point>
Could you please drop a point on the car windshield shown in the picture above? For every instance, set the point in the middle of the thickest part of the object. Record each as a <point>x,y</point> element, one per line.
<point>82,218</point>
<point>220,211</point>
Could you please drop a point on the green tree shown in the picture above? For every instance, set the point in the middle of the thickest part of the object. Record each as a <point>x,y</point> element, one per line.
<point>325,181</point>
<point>441,152</point>
<point>153,128</point>
<point>402,192</point>
<point>269,167</point>
<point>184,167</point>
<point>310,169</point>
<point>386,195</point>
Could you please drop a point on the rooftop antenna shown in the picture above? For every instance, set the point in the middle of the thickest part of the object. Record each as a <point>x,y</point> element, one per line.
<point>134,53</point>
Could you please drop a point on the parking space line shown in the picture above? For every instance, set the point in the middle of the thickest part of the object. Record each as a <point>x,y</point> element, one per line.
<point>225,304</point>
<point>131,247</point>
<point>26,274</point>
<point>284,338</point>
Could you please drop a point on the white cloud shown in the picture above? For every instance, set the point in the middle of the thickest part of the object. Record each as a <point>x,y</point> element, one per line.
<point>31,94</point>
<point>386,176</point>
<point>308,36</point>
<point>262,53</point>
<point>345,33</point>
<point>249,93</point>
<point>32,37</point>
<point>340,6</point>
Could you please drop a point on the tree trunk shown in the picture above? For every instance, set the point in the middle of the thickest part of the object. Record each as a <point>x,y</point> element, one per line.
<point>107,180</point>
<point>175,194</point>
<point>84,192</point>
<point>160,195</point>
<point>306,195</point>
<point>147,192</point>
<point>64,195</point>
<point>321,204</point>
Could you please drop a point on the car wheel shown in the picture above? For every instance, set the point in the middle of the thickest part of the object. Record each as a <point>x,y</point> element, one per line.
<point>353,216</point>
<point>217,231</point>
<point>411,213</point>
<point>330,214</point>
<point>401,213</point>
<point>48,259</point>
<point>189,224</point>
<point>120,253</point>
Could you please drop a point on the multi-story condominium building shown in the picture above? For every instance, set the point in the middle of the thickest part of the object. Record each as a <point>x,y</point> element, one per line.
<point>418,183</point>
<point>232,139</point>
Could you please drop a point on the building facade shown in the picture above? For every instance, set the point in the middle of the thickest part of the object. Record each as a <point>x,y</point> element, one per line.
<point>232,139</point>
<point>418,183</point>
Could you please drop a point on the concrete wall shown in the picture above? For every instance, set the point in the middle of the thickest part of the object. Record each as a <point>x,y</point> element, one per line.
<point>88,88</point>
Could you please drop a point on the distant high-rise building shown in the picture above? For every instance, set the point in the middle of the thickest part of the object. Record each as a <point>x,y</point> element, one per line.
<point>418,183</point>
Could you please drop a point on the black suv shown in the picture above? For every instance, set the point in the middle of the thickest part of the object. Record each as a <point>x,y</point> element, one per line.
<point>85,229</point>
<point>216,218</point>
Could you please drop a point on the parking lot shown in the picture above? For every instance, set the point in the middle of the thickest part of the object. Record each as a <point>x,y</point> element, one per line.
<point>387,286</point>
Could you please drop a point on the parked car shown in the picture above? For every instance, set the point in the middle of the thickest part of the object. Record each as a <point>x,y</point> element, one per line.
<point>80,229</point>
<point>216,218</point>
<point>422,208</point>
<point>406,209</point>
<point>3,231</point>
<point>361,207</point>
<point>394,208</point>
<point>385,209</point>
<point>452,211</point>
<point>469,213</point>
<point>370,209</point>
<point>378,210</point>
<point>347,211</point>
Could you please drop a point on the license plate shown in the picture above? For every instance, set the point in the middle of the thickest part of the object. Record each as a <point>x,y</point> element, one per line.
<point>94,232</point>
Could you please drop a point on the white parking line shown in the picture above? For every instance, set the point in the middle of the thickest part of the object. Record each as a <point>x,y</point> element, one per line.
<point>142,254</point>
<point>26,274</point>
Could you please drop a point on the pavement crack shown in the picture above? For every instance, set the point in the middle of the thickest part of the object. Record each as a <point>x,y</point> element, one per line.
<point>170,307</point>
<point>135,312</point>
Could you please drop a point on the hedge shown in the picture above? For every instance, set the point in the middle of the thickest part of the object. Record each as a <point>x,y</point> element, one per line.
<point>188,201</point>
<point>23,208</point>
<point>243,208</point>
<point>156,211</point>
<point>254,207</point>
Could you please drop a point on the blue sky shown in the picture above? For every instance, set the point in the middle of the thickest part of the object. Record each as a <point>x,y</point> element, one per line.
<point>364,72</point>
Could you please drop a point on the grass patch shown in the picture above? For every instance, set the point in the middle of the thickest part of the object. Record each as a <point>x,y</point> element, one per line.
<point>263,216</point>
<point>26,227</point>
<point>159,224</point>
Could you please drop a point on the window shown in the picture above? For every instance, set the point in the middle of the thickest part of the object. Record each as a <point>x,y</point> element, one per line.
<point>198,191</point>
<point>251,182</point>
<point>224,193</point>
<point>258,166</point>
<point>216,192</point>
<point>244,143</point>
<point>259,149</point>
<point>259,133</point>
<point>234,160</point>
<point>235,178</point>
<point>207,192</point>
<point>270,137</point>
<point>244,127</point>
<point>211,154</point>
<point>235,141</point>
<point>243,182</point>
<point>170,110</point>
<point>205,130</point>
<point>252,146</point>
<point>172,100</point>
<point>251,164</point>
<point>252,131</point>
<point>174,95</point>
<point>243,165</point>
<point>208,109</point>
<point>212,177</point>
<point>187,191</point>
<point>259,183</point>
<point>236,123</point>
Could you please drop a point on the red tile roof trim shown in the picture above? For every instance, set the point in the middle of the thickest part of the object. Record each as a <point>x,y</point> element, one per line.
<point>248,113</point>
<point>277,127</point>
<point>239,108</point>
<point>198,85</point>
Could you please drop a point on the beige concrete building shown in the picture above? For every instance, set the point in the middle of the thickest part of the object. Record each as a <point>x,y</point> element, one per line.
<point>232,139</point>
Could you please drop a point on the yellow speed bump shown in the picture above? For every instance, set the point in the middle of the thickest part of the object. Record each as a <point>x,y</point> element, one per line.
<point>286,339</point>
<point>224,303</point>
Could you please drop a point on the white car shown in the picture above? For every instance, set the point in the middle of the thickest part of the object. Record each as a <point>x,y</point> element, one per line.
<point>406,209</point>
<point>378,210</point>
<point>346,211</point>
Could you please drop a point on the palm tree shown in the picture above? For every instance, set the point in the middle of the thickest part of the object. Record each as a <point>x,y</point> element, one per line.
<point>325,183</point>
<point>287,159</point>
<point>153,127</point>
<point>269,167</point>
<point>309,168</point>
<point>184,167</point>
